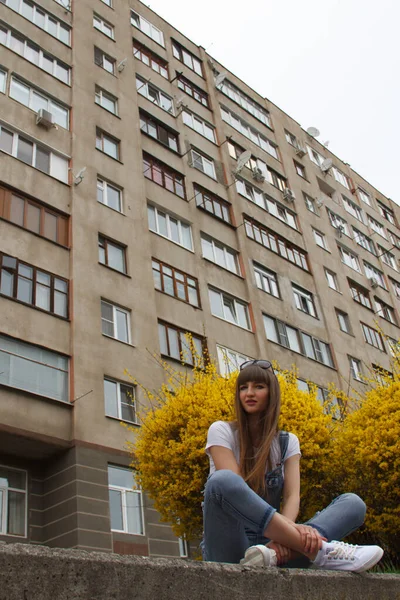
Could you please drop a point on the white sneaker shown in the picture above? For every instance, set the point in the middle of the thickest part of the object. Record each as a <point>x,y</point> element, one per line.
<point>339,556</point>
<point>259,556</point>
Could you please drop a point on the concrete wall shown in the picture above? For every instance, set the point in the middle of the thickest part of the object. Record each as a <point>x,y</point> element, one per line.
<point>33,573</point>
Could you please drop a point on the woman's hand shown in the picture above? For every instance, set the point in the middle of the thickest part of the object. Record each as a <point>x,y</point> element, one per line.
<point>311,538</point>
<point>283,554</point>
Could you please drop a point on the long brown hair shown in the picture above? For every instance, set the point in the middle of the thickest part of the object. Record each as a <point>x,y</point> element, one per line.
<point>253,464</point>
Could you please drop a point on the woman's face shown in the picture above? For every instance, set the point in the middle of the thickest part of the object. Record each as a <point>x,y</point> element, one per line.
<point>254,397</point>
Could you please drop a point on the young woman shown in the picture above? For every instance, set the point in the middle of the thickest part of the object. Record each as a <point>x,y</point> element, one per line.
<point>252,465</point>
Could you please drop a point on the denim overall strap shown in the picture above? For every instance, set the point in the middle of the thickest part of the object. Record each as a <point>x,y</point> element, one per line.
<point>274,479</point>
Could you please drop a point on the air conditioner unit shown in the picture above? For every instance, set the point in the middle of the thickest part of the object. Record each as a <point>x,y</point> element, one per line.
<point>373,282</point>
<point>258,175</point>
<point>288,194</point>
<point>300,151</point>
<point>44,118</point>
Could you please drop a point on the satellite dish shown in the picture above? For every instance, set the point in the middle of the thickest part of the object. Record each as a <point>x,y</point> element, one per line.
<point>179,101</point>
<point>220,78</point>
<point>326,165</point>
<point>242,160</point>
<point>313,131</point>
<point>121,65</point>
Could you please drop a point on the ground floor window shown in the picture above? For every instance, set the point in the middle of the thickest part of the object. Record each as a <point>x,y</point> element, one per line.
<point>126,505</point>
<point>13,501</point>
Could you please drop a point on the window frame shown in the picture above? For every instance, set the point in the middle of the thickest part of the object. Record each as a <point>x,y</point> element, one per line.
<point>100,93</point>
<point>160,171</point>
<point>168,216</point>
<point>376,226</point>
<point>265,277</point>
<point>179,52</point>
<point>47,17</point>
<point>320,237</point>
<point>355,368</point>
<point>385,311</point>
<point>304,300</point>
<point>344,321</point>
<point>194,92</point>
<point>204,199</point>
<point>104,243</point>
<point>119,402</point>
<point>152,28</point>
<point>174,276</point>
<point>245,102</point>
<point>360,294</point>
<point>331,276</point>
<point>162,131</point>
<point>387,257</point>
<point>207,164</point>
<point>349,258</point>
<point>115,309</point>
<point>102,137</point>
<point>250,132</point>
<point>234,302</point>
<point>217,247</point>
<point>157,93</point>
<point>300,170</point>
<point>188,114</point>
<point>181,333</point>
<point>103,26</point>
<point>223,361</point>
<point>104,190</point>
<point>5,500</point>
<point>353,209</point>
<point>51,103</point>
<point>267,203</point>
<point>368,244</point>
<point>340,177</point>
<point>311,204</point>
<point>100,58</point>
<point>372,337</point>
<point>373,273</point>
<point>124,503</point>
<point>152,59</point>
<point>387,213</point>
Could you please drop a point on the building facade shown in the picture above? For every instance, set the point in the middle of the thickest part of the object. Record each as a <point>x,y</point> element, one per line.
<point>130,215</point>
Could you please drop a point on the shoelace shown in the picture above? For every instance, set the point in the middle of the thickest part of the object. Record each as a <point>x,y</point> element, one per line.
<point>343,551</point>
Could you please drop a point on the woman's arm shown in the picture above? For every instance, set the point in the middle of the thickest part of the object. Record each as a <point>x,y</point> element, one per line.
<point>291,488</point>
<point>224,459</point>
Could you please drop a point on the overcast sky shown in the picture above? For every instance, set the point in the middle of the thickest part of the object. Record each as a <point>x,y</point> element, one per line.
<point>332,64</point>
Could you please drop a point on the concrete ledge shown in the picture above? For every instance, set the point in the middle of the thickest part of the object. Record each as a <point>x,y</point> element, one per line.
<point>38,573</point>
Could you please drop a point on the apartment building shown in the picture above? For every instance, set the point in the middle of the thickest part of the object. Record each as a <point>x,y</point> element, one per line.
<point>130,215</point>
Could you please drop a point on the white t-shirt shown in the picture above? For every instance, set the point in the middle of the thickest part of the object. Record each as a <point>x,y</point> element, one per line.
<point>222,433</point>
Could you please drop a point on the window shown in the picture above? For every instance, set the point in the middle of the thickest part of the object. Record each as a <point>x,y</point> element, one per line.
<point>247,103</point>
<point>377,227</point>
<point>163,175</point>
<point>106,100</point>
<point>274,178</point>
<point>43,19</point>
<point>249,132</point>
<point>332,279</point>
<point>300,170</point>
<point>315,156</point>
<point>115,322</point>
<point>385,311</point>
<point>158,131</point>
<point>291,139</point>
<point>221,255</point>
<point>126,503</point>
<point>343,320</point>
<point>276,243</point>
<point>292,338</point>
<point>386,213</point>
<point>170,227</point>
<point>304,300</point>
<point>104,61</point>
<point>395,240</point>
<point>198,124</point>
<point>150,59</point>
<point>109,194</point>
<point>320,239</point>
<point>355,368</point>
<point>229,360</point>
<point>181,344</point>
<point>360,294</point>
<point>119,400</point>
<point>147,28</point>
<point>373,273</point>
<point>266,280</point>
<point>13,502</point>
<point>396,287</point>
<point>187,58</point>
<point>349,258</point>
<point>3,81</point>
<point>372,337</point>
<point>202,163</point>
<point>33,369</point>
<point>341,177</point>
<point>30,285</point>
<point>338,223</point>
<point>108,2</point>
<point>32,98</point>
<point>175,283</point>
<point>394,347</point>
<point>387,257</point>
<point>154,94</point>
<point>112,254</point>
<point>267,203</point>
<point>103,26</point>
<point>34,216</point>
<point>353,209</point>
<point>364,241</point>
<point>45,61</point>
<point>107,144</point>
<point>310,204</point>
<point>192,90</point>
<point>229,308</point>
<point>34,154</point>
<point>212,204</point>
<point>364,196</point>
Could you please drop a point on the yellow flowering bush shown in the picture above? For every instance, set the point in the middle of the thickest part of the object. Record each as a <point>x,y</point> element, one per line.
<point>168,453</point>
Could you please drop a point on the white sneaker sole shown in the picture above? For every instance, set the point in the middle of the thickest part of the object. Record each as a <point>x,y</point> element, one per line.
<point>257,556</point>
<point>371,562</point>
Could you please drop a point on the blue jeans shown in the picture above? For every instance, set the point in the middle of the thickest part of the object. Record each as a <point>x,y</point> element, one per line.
<point>235,518</point>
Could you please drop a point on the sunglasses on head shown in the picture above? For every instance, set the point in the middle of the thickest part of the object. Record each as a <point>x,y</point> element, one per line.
<point>263,364</point>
